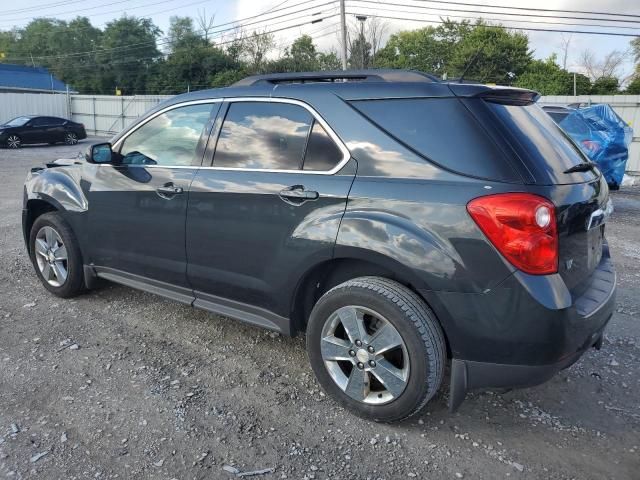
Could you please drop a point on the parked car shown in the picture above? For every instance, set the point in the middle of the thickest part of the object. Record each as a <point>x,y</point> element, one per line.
<point>401,222</point>
<point>31,129</point>
<point>600,133</point>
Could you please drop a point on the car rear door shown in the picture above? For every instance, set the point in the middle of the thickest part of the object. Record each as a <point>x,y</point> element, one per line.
<point>138,206</point>
<point>268,207</point>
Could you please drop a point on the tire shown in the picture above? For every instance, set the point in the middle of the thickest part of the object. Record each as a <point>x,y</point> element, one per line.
<point>378,301</point>
<point>70,138</point>
<point>65,286</point>
<point>14,141</point>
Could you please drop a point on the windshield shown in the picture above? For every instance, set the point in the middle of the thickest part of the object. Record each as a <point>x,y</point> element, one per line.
<point>17,122</point>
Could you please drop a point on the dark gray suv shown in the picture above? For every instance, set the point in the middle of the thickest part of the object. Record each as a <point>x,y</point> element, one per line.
<point>405,224</point>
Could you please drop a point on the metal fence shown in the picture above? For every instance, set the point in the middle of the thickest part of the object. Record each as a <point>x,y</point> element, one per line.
<point>16,104</point>
<point>627,106</point>
<point>108,114</point>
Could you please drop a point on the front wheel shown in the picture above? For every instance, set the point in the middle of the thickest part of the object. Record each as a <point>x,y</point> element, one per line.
<point>14,141</point>
<point>375,346</point>
<point>56,255</point>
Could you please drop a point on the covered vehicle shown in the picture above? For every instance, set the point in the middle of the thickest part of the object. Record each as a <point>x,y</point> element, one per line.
<point>601,134</point>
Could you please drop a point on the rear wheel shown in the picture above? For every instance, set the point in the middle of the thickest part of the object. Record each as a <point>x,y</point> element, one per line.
<point>14,141</point>
<point>56,256</point>
<point>70,138</point>
<point>375,346</point>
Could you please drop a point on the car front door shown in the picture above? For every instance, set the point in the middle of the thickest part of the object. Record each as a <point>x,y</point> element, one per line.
<point>137,207</point>
<point>268,207</point>
<point>33,131</point>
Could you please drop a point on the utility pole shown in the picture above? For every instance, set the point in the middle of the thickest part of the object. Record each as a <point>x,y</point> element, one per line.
<point>575,94</point>
<point>343,34</point>
<point>362,19</point>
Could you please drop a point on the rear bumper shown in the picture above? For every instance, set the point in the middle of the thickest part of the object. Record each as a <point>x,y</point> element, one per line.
<point>524,332</point>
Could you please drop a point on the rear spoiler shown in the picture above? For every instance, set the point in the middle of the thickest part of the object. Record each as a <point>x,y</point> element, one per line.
<point>501,95</point>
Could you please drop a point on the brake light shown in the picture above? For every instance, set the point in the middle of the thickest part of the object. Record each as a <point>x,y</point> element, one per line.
<point>522,226</point>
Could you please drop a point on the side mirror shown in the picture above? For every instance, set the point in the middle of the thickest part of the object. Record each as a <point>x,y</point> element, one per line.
<point>99,153</point>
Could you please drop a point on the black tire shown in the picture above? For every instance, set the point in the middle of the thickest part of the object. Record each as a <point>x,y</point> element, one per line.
<point>416,324</point>
<point>11,143</point>
<point>74,283</point>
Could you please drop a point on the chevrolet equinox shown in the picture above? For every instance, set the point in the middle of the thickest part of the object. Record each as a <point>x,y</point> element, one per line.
<point>404,224</point>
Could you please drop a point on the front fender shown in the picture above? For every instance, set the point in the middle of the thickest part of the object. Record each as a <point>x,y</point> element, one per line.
<point>58,186</point>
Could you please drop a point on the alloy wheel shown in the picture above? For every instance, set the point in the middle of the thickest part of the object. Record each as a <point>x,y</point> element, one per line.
<point>365,355</point>
<point>14,141</point>
<point>70,138</point>
<point>51,256</point>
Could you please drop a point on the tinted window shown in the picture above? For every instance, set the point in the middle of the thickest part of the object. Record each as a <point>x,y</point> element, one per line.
<point>263,135</point>
<point>55,121</point>
<point>17,122</point>
<point>322,152</point>
<point>542,143</point>
<point>40,122</point>
<point>443,131</point>
<point>169,139</point>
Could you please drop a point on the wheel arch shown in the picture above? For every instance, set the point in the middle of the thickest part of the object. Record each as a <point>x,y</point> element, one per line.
<point>34,208</point>
<point>326,275</point>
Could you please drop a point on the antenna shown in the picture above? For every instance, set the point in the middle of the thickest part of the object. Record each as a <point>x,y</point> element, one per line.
<point>470,64</point>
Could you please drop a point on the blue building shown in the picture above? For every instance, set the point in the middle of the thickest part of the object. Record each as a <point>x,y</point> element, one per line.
<point>24,79</point>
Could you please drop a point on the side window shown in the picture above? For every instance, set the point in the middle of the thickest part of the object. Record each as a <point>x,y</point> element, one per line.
<point>168,139</point>
<point>40,122</point>
<point>263,135</point>
<point>322,152</point>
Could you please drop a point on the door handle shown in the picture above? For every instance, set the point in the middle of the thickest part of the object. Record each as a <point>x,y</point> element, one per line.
<point>298,193</point>
<point>169,190</point>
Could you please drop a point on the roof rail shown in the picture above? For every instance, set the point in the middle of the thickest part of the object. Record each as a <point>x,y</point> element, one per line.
<point>373,75</point>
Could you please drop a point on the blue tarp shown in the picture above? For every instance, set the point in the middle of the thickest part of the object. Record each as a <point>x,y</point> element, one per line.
<point>603,136</point>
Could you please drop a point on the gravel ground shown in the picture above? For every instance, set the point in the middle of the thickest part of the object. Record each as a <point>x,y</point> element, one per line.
<point>123,384</point>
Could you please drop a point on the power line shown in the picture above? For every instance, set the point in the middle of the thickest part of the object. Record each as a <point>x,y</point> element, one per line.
<point>500,26</point>
<point>41,6</point>
<point>168,40</point>
<point>484,5</point>
<point>447,15</point>
<point>565,17</point>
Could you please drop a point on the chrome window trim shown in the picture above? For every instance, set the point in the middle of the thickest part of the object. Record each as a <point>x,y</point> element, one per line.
<point>346,155</point>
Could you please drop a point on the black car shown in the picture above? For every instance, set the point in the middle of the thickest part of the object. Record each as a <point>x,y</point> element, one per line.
<point>31,129</point>
<point>401,222</point>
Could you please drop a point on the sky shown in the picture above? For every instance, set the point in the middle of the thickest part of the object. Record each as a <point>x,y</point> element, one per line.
<point>325,32</point>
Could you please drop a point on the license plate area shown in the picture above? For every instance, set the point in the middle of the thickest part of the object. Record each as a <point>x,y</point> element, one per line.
<point>595,239</point>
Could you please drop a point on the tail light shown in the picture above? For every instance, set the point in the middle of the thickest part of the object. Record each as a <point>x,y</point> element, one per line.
<point>522,226</point>
<point>591,147</point>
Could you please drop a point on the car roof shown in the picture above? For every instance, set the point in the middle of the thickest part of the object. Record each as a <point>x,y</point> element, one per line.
<point>349,85</point>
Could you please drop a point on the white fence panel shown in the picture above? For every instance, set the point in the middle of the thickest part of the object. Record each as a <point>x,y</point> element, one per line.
<point>108,114</point>
<point>627,106</point>
<point>16,104</point>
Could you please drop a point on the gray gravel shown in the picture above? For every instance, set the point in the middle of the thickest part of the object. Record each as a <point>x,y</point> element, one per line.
<point>123,384</point>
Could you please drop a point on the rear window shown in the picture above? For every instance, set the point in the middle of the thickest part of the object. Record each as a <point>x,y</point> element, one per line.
<point>541,143</point>
<point>443,131</point>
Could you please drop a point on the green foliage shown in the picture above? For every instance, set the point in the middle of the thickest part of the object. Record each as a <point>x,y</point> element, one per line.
<point>129,53</point>
<point>605,86</point>
<point>634,87</point>
<point>491,55</point>
<point>547,78</point>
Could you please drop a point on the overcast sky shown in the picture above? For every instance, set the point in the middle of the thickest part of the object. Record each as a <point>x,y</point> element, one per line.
<point>542,43</point>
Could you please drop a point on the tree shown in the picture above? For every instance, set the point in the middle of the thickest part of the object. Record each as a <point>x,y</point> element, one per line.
<point>127,54</point>
<point>634,87</point>
<point>607,67</point>
<point>360,52</point>
<point>491,54</point>
<point>546,77</point>
<point>605,86</point>
<point>255,49</point>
